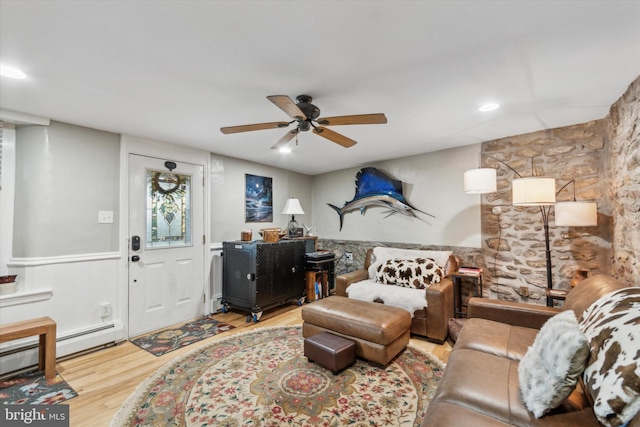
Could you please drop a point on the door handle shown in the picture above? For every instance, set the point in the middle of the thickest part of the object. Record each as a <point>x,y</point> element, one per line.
<point>135,258</point>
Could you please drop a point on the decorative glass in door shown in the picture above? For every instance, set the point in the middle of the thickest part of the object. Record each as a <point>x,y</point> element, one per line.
<point>168,209</point>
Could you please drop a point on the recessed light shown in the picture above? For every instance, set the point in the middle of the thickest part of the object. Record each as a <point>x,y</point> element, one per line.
<point>285,150</point>
<point>11,72</point>
<point>489,107</point>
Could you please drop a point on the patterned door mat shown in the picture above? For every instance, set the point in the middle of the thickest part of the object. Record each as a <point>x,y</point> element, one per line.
<point>35,389</point>
<point>167,340</point>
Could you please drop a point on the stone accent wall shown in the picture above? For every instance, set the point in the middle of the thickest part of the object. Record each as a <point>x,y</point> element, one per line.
<point>624,185</point>
<point>466,256</point>
<point>513,241</point>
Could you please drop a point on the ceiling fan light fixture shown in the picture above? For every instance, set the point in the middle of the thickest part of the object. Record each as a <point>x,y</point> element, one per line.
<point>304,126</point>
<point>489,106</point>
<point>306,115</point>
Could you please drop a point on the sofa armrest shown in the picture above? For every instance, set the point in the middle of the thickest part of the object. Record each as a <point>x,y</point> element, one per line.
<point>344,280</point>
<point>439,309</point>
<point>512,313</point>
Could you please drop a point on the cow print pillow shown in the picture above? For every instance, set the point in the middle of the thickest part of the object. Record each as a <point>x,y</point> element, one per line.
<point>415,273</point>
<point>612,376</point>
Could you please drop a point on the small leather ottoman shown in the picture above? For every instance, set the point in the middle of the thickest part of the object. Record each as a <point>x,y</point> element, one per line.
<point>330,351</point>
<point>379,331</point>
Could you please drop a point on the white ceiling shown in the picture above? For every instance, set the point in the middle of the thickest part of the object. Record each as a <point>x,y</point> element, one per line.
<point>177,71</point>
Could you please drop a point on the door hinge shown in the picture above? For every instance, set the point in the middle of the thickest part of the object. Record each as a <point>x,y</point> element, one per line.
<point>204,298</point>
<point>204,239</point>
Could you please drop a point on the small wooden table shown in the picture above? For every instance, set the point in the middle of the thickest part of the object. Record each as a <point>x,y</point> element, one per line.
<point>321,272</point>
<point>459,308</point>
<point>45,327</point>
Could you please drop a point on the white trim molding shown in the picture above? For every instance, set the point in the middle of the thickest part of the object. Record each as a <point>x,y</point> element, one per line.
<point>65,259</point>
<point>26,297</point>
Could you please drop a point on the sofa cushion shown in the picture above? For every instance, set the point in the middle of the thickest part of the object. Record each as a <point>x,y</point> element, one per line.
<point>612,325</point>
<point>550,369</point>
<point>486,383</point>
<point>500,339</point>
<point>416,273</point>
<point>381,254</point>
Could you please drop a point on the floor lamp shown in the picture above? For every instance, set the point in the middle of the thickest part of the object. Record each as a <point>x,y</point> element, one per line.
<point>536,191</point>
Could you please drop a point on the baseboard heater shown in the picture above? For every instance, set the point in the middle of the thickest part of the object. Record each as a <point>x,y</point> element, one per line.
<point>105,334</point>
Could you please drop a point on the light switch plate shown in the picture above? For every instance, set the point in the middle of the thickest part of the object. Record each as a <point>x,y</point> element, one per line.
<point>105,217</point>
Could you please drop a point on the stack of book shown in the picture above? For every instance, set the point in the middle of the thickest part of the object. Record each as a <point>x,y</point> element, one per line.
<point>470,271</point>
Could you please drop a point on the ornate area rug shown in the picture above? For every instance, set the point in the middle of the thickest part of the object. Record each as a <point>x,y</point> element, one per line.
<point>35,389</point>
<point>261,378</point>
<point>159,343</point>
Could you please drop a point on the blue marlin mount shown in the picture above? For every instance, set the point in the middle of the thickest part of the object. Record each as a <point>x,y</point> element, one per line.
<point>375,188</point>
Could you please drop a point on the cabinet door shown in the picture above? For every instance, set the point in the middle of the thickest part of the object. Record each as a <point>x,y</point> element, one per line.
<point>289,272</point>
<point>238,285</point>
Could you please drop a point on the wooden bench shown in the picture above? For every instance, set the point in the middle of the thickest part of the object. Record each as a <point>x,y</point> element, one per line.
<point>45,327</point>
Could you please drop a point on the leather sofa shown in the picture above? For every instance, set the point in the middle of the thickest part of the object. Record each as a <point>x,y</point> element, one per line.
<point>431,322</point>
<point>480,385</point>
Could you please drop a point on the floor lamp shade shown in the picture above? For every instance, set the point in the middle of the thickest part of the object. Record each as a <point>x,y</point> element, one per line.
<point>534,191</point>
<point>576,214</point>
<point>480,181</point>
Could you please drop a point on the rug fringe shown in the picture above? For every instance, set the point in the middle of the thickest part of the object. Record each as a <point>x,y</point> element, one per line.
<point>428,355</point>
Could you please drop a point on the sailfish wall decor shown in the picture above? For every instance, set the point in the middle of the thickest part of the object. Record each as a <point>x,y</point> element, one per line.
<point>375,188</point>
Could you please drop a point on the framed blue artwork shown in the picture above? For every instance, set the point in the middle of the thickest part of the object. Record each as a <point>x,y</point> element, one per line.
<point>258,199</point>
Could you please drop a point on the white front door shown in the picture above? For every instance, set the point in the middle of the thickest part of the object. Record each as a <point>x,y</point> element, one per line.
<point>166,243</point>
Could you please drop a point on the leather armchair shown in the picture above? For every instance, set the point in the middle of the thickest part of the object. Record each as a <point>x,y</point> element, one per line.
<point>432,322</point>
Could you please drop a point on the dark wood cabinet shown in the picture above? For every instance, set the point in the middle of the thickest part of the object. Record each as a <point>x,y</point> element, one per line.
<point>257,276</point>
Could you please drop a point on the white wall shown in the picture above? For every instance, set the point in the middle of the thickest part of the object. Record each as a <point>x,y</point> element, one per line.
<point>433,183</point>
<point>67,263</point>
<point>65,175</point>
<point>227,178</point>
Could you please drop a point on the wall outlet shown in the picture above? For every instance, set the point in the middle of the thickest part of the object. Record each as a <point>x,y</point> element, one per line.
<point>105,310</point>
<point>348,256</point>
<point>105,217</point>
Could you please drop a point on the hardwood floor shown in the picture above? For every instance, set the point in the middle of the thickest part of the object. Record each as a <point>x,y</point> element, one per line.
<point>105,378</point>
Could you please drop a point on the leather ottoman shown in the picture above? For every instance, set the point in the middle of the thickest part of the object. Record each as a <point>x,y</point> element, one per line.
<point>330,351</point>
<point>379,331</point>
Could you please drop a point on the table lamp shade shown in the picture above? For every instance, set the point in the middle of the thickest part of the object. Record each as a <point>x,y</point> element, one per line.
<point>576,214</point>
<point>480,181</point>
<point>534,191</point>
<point>292,207</point>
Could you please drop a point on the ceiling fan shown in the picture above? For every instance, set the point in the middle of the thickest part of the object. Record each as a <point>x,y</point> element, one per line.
<point>305,115</point>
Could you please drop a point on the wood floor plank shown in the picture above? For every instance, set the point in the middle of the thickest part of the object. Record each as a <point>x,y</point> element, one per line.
<point>105,378</point>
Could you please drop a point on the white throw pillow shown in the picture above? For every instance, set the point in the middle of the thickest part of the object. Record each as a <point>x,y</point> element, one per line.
<point>550,369</point>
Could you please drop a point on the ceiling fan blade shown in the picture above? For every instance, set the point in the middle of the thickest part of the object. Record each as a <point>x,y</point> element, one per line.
<point>257,126</point>
<point>359,119</point>
<point>287,105</point>
<point>334,136</point>
<point>285,139</point>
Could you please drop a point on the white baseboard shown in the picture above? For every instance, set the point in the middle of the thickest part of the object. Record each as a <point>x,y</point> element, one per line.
<point>13,358</point>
